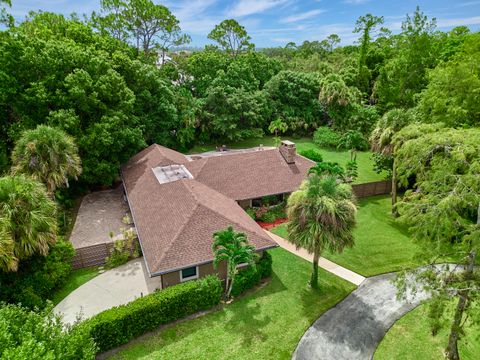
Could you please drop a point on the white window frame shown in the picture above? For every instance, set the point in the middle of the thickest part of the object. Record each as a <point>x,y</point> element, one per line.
<point>182,279</point>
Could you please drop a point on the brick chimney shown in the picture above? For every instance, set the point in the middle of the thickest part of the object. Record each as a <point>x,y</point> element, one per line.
<point>288,151</point>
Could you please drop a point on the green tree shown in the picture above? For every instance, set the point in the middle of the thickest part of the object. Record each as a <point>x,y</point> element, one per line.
<point>321,216</point>
<point>275,127</point>
<point>442,213</point>
<point>232,37</point>
<point>294,98</point>
<point>381,141</point>
<point>48,155</point>
<point>366,26</point>
<point>28,224</point>
<point>150,25</point>
<point>404,75</point>
<point>5,17</point>
<point>234,249</point>
<point>27,334</point>
<point>451,95</point>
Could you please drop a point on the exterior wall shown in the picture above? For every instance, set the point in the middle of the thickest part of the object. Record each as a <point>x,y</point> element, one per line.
<point>245,204</point>
<point>173,278</point>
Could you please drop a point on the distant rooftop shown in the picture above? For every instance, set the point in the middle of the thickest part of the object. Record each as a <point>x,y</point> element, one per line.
<point>169,173</point>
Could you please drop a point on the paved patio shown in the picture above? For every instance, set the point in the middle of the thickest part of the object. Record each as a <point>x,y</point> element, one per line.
<point>99,214</point>
<point>112,288</point>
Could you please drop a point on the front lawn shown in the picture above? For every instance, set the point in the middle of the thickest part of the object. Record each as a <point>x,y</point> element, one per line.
<point>75,280</point>
<point>264,325</point>
<point>410,339</point>
<point>364,158</point>
<point>381,245</point>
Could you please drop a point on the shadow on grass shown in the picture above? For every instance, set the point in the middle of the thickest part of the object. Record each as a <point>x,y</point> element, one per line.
<point>248,322</point>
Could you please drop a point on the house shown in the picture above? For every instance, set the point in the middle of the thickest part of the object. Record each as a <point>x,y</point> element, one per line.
<point>177,202</point>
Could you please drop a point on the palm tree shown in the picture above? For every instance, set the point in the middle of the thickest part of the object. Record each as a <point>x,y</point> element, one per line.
<point>48,155</point>
<point>321,216</point>
<point>28,224</point>
<point>381,141</point>
<point>233,248</point>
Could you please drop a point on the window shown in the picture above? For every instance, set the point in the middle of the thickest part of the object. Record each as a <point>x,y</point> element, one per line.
<point>189,273</point>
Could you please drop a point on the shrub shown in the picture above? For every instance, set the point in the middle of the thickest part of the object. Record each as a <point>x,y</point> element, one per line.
<point>123,249</point>
<point>37,277</point>
<point>312,154</point>
<point>252,213</point>
<point>353,140</point>
<point>26,334</point>
<point>119,254</point>
<point>120,324</point>
<point>251,276</point>
<point>325,137</point>
<point>269,215</point>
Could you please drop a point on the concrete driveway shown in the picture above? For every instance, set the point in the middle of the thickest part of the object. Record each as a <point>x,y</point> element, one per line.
<point>354,327</point>
<point>112,288</point>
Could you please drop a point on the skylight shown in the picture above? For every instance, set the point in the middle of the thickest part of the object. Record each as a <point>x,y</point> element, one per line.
<point>166,174</point>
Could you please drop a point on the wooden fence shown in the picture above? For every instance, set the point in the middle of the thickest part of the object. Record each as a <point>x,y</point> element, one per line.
<point>93,255</point>
<point>373,188</point>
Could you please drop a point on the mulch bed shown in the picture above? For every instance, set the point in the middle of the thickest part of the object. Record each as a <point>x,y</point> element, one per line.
<point>270,226</point>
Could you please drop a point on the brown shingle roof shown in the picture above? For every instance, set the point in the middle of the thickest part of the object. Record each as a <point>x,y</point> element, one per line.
<point>250,175</point>
<point>175,221</point>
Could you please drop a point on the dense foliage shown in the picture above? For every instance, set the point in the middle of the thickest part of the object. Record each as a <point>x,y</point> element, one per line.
<point>442,212</point>
<point>251,276</point>
<point>28,223</point>
<point>36,278</point>
<point>121,324</point>
<point>26,334</point>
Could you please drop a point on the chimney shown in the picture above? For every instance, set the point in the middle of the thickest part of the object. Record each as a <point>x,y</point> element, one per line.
<point>288,151</point>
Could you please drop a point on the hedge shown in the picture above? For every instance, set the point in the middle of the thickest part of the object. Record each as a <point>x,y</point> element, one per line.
<point>251,276</point>
<point>118,325</point>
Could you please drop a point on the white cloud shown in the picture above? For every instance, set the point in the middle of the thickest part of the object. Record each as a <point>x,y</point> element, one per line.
<point>302,16</point>
<point>250,7</point>
<point>283,40</point>
<point>474,20</point>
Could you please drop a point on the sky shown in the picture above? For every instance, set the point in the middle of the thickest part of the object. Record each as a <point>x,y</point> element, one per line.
<point>276,22</point>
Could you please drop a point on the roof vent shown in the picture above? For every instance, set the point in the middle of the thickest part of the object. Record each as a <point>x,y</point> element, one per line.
<point>288,151</point>
<point>170,173</point>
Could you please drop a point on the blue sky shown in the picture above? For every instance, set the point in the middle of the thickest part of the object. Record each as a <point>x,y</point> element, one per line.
<point>276,22</point>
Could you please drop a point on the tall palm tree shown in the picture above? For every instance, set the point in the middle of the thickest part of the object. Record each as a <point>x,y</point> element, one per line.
<point>234,249</point>
<point>321,216</point>
<point>28,222</point>
<point>381,141</point>
<point>48,155</point>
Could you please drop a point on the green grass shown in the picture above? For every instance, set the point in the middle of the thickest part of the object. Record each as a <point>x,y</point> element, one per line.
<point>266,324</point>
<point>381,245</point>
<point>76,279</point>
<point>410,339</point>
<point>365,163</point>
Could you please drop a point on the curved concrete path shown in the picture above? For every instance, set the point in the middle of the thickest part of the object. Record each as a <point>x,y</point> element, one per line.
<point>355,326</point>
<point>114,287</point>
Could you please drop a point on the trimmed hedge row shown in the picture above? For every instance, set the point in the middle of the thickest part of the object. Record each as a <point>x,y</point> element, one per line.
<point>118,325</point>
<point>249,277</point>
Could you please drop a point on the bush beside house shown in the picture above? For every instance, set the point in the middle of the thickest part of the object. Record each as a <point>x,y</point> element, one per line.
<point>121,324</point>
<point>251,276</point>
